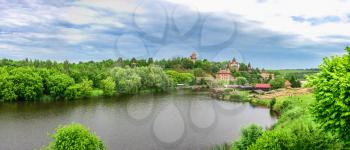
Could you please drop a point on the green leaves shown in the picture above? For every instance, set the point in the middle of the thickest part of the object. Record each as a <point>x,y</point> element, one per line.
<point>332,86</point>
<point>22,83</point>
<point>108,86</point>
<point>75,137</point>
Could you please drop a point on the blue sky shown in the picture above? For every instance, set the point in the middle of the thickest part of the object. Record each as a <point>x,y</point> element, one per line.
<point>271,34</point>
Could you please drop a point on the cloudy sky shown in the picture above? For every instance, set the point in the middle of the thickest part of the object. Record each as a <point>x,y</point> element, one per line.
<point>272,34</point>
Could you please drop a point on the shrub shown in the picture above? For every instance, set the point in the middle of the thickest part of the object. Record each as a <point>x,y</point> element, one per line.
<point>108,86</point>
<point>75,137</point>
<point>241,81</point>
<point>277,83</point>
<point>248,137</point>
<point>272,103</point>
<point>58,83</point>
<point>79,90</point>
<point>300,135</point>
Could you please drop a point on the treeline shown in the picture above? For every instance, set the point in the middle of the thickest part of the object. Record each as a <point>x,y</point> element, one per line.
<point>30,80</point>
<point>30,83</point>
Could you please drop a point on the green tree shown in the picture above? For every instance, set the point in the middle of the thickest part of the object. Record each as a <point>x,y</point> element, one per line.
<point>75,137</point>
<point>248,137</point>
<point>79,90</point>
<point>277,83</point>
<point>22,83</point>
<point>331,88</point>
<point>180,78</point>
<point>241,81</point>
<point>108,86</point>
<point>127,80</point>
<point>58,83</point>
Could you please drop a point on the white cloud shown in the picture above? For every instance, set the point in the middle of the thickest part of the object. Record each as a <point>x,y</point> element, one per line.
<point>112,5</point>
<point>73,36</point>
<point>275,15</point>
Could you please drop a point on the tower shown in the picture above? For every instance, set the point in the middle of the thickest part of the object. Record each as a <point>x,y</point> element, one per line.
<point>194,57</point>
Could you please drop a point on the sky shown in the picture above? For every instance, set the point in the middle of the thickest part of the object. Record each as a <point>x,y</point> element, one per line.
<point>272,34</point>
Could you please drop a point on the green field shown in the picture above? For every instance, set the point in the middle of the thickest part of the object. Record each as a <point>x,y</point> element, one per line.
<point>298,73</point>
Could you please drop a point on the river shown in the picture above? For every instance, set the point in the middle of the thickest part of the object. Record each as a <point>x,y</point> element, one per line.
<point>177,120</point>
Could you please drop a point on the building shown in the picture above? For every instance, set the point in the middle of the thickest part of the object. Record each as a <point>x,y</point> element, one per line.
<point>264,87</point>
<point>265,75</point>
<point>287,84</point>
<point>224,75</point>
<point>250,69</point>
<point>233,64</point>
<point>193,57</point>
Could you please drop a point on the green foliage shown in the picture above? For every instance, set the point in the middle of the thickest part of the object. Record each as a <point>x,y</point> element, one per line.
<point>299,135</point>
<point>79,90</point>
<point>248,137</point>
<point>127,80</point>
<point>295,83</point>
<point>75,137</point>
<point>199,72</point>
<point>295,128</point>
<point>153,77</point>
<point>241,81</point>
<point>108,86</point>
<point>331,87</point>
<point>180,78</point>
<point>272,103</point>
<point>22,83</point>
<point>277,83</point>
<point>57,85</point>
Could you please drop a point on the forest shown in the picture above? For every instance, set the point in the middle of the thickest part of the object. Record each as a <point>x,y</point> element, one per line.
<point>29,80</point>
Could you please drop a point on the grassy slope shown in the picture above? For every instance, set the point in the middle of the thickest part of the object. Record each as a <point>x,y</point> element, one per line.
<point>295,127</point>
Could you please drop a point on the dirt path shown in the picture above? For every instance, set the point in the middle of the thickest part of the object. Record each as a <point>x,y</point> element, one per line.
<point>284,92</point>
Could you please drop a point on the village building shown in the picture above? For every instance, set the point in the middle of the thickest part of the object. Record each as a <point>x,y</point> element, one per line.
<point>193,57</point>
<point>133,61</point>
<point>287,84</point>
<point>233,64</point>
<point>224,75</point>
<point>250,69</point>
<point>264,87</point>
<point>265,75</point>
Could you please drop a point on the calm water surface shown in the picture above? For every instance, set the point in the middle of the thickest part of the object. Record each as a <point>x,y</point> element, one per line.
<point>178,120</point>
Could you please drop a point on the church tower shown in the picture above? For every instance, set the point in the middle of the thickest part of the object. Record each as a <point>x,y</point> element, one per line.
<point>194,57</point>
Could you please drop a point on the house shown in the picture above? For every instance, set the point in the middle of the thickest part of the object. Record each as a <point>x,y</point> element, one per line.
<point>264,87</point>
<point>265,75</point>
<point>193,57</point>
<point>224,75</point>
<point>287,84</point>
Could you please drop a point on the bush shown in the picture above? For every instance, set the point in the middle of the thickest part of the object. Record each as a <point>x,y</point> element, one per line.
<point>108,86</point>
<point>248,137</point>
<point>300,135</point>
<point>272,103</point>
<point>277,83</point>
<point>75,137</point>
<point>180,78</point>
<point>79,90</point>
<point>241,81</point>
<point>58,83</point>
<point>331,87</point>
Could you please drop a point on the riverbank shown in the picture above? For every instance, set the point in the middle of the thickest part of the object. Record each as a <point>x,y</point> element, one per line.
<point>270,99</point>
<point>295,128</point>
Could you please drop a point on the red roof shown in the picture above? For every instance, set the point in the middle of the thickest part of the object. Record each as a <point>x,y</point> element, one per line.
<point>263,86</point>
